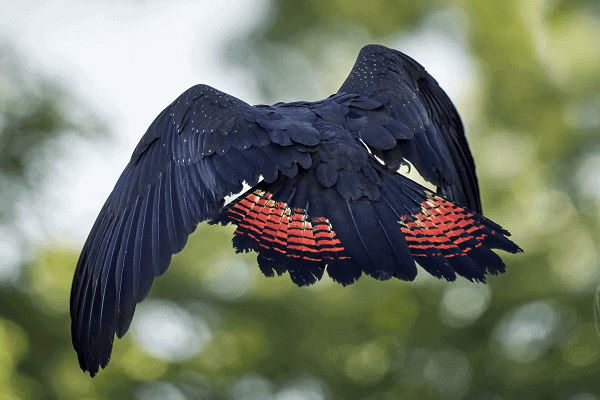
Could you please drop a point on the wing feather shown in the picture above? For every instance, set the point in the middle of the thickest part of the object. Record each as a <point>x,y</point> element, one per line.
<point>425,123</point>
<point>198,150</point>
<point>325,201</point>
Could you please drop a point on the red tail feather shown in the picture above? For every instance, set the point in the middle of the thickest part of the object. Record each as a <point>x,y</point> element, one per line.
<point>273,225</point>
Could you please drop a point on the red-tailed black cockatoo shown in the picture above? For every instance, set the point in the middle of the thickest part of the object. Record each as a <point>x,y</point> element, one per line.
<point>325,193</point>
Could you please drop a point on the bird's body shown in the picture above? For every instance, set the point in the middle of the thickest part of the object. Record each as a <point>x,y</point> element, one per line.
<point>325,194</point>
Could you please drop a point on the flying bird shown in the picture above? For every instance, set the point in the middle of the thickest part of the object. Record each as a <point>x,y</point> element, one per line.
<point>324,193</point>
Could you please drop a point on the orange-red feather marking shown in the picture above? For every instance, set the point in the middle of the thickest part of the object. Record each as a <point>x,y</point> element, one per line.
<point>273,225</point>
<point>440,228</point>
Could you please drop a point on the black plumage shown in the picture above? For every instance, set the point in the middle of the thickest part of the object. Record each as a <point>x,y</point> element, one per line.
<point>324,193</point>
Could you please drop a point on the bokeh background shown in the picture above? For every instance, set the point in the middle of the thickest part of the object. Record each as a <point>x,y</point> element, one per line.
<point>80,81</point>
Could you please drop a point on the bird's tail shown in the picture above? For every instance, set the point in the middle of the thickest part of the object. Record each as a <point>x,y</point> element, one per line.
<point>297,225</point>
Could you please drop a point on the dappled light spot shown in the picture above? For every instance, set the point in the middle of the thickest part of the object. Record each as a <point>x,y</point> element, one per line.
<point>368,364</point>
<point>583,113</point>
<point>507,154</point>
<point>168,331</point>
<point>550,211</point>
<point>252,387</point>
<point>449,373</point>
<point>305,389</point>
<point>206,311</point>
<point>463,304</point>
<point>588,176</point>
<point>10,263</point>
<point>224,351</point>
<point>581,348</point>
<point>158,391</point>
<point>197,386</point>
<point>525,334</point>
<point>540,209</point>
<point>228,279</point>
<point>575,266</point>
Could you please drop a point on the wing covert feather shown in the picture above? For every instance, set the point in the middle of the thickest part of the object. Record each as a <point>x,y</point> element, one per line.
<point>427,128</point>
<point>200,149</point>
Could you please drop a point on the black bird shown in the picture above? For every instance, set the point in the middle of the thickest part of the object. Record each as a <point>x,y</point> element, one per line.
<point>325,194</point>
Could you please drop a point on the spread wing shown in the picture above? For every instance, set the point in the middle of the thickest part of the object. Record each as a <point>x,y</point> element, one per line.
<point>408,116</point>
<point>198,150</point>
<point>324,203</point>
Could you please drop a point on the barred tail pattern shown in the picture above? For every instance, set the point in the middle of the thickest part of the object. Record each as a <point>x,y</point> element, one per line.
<point>443,230</point>
<point>286,238</point>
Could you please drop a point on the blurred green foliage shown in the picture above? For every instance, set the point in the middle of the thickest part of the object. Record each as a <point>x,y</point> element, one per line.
<point>34,113</point>
<point>530,333</point>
